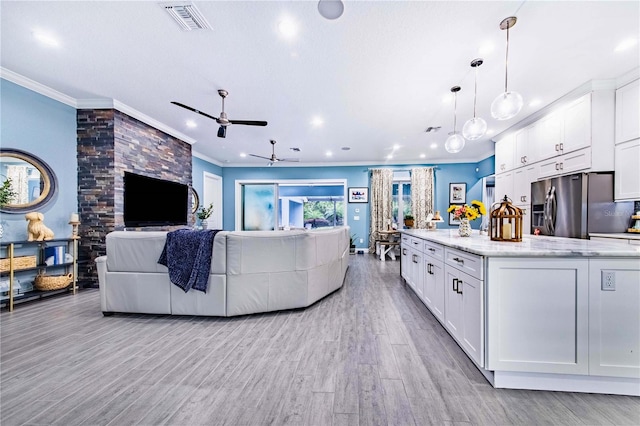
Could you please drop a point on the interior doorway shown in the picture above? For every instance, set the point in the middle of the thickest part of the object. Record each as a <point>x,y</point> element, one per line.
<point>212,193</point>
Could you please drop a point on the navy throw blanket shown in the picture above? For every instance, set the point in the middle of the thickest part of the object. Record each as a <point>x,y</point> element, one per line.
<point>187,254</point>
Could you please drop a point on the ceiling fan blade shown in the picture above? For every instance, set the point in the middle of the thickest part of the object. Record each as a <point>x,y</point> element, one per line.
<point>249,122</point>
<point>289,159</point>
<point>260,156</point>
<point>194,110</point>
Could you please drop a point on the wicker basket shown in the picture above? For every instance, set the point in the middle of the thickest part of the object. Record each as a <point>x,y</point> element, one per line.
<point>49,282</point>
<point>19,262</point>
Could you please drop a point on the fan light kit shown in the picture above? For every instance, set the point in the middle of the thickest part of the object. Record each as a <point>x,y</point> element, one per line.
<point>223,121</point>
<point>455,141</point>
<point>508,104</point>
<point>475,127</point>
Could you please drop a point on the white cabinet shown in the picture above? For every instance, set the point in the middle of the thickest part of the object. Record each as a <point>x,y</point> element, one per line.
<point>627,171</point>
<point>411,259</point>
<point>522,179</point>
<point>614,318</point>
<point>434,290</point>
<point>405,257</point>
<point>547,136</point>
<point>504,154</point>
<point>538,315</point>
<point>628,112</point>
<point>525,152</point>
<point>464,302</point>
<point>503,186</point>
<point>417,274</point>
<point>576,130</point>
<point>565,164</point>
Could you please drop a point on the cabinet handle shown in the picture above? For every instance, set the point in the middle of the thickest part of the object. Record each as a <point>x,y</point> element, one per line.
<point>458,260</point>
<point>415,243</point>
<point>525,159</point>
<point>525,198</point>
<point>561,166</point>
<point>413,258</point>
<point>429,269</point>
<point>432,249</point>
<point>454,282</point>
<point>404,251</point>
<point>557,147</point>
<point>557,166</point>
<point>458,289</point>
<point>562,147</point>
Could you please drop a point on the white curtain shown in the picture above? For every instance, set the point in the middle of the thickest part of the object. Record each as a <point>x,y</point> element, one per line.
<point>381,203</point>
<point>421,195</point>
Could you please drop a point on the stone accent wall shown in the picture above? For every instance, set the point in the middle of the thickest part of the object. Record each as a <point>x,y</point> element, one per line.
<point>110,143</point>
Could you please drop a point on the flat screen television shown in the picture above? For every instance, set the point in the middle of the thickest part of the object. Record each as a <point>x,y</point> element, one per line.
<point>154,202</point>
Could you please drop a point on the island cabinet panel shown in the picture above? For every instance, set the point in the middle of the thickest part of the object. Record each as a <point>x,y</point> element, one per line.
<point>538,315</point>
<point>614,317</point>
<point>434,280</point>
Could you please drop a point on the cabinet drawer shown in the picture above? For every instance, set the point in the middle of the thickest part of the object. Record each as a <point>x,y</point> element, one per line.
<point>433,250</point>
<point>465,262</point>
<point>416,244</point>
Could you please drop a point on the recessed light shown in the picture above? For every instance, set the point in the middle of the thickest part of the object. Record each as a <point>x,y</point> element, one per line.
<point>191,124</point>
<point>242,154</point>
<point>389,157</point>
<point>423,155</point>
<point>535,102</point>
<point>433,145</point>
<point>45,38</point>
<point>626,44</point>
<point>329,154</point>
<point>396,147</point>
<point>287,28</point>
<point>485,49</point>
<point>317,121</point>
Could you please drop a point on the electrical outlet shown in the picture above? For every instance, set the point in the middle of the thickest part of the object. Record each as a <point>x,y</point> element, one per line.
<point>361,240</point>
<point>608,281</point>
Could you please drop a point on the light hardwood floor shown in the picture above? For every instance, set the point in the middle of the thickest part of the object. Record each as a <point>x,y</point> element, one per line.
<point>370,353</point>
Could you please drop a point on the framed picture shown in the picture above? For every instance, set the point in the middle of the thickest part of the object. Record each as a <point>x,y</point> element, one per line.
<point>453,220</point>
<point>457,193</point>
<point>359,195</point>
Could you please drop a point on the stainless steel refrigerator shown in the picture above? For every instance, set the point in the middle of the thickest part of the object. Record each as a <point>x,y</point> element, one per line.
<point>576,205</point>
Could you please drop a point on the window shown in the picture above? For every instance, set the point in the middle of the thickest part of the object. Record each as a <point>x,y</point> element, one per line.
<point>401,192</point>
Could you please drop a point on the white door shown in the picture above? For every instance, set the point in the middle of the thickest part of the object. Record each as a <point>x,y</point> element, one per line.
<point>212,188</point>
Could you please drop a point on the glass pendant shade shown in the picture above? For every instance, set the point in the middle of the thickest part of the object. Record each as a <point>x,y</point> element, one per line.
<point>506,105</point>
<point>474,128</point>
<point>455,143</point>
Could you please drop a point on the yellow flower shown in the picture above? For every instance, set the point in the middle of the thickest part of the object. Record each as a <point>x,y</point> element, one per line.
<point>472,212</point>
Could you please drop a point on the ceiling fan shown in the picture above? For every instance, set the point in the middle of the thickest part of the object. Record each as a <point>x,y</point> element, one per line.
<point>223,121</point>
<point>273,159</point>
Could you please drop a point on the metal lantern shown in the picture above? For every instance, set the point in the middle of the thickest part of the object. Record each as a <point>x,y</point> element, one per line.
<point>505,221</point>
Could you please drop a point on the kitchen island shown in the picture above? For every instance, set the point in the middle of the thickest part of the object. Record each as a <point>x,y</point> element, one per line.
<point>546,313</point>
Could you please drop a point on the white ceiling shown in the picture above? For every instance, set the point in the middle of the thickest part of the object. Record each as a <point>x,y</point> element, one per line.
<point>377,75</point>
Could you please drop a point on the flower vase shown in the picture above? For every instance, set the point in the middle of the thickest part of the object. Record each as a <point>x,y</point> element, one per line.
<point>204,224</point>
<point>464,229</point>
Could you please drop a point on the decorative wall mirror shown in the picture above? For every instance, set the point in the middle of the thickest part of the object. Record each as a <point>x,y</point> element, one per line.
<point>27,181</point>
<point>195,200</point>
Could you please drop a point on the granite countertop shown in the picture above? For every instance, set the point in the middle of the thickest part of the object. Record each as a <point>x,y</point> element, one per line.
<point>620,235</point>
<point>531,246</point>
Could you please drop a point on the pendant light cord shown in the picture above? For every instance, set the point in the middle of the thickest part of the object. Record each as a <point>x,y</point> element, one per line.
<point>506,63</point>
<point>475,92</point>
<point>455,110</point>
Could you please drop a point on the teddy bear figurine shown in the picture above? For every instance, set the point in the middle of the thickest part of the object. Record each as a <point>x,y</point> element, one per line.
<point>36,228</point>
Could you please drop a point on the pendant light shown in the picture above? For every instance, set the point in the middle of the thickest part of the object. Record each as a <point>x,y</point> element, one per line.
<point>475,127</point>
<point>507,104</point>
<point>455,141</point>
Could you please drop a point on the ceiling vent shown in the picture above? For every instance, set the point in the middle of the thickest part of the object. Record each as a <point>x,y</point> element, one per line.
<point>432,129</point>
<point>187,16</point>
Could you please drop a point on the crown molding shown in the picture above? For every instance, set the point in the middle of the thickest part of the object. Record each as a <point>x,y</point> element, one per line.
<point>628,77</point>
<point>206,158</point>
<point>34,86</point>
<point>98,103</point>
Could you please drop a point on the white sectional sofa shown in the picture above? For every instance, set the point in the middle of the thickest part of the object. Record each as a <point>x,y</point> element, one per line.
<point>251,271</point>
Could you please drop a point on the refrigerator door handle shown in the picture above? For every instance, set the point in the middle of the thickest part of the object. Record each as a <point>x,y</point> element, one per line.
<point>552,211</point>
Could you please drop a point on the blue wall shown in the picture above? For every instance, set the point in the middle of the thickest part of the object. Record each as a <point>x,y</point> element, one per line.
<point>355,176</point>
<point>198,167</point>
<point>47,129</point>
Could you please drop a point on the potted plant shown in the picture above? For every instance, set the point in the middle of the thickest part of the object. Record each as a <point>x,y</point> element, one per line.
<point>408,221</point>
<point>352,244</point>
<point>6,192</point>
<point>203,214</point>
